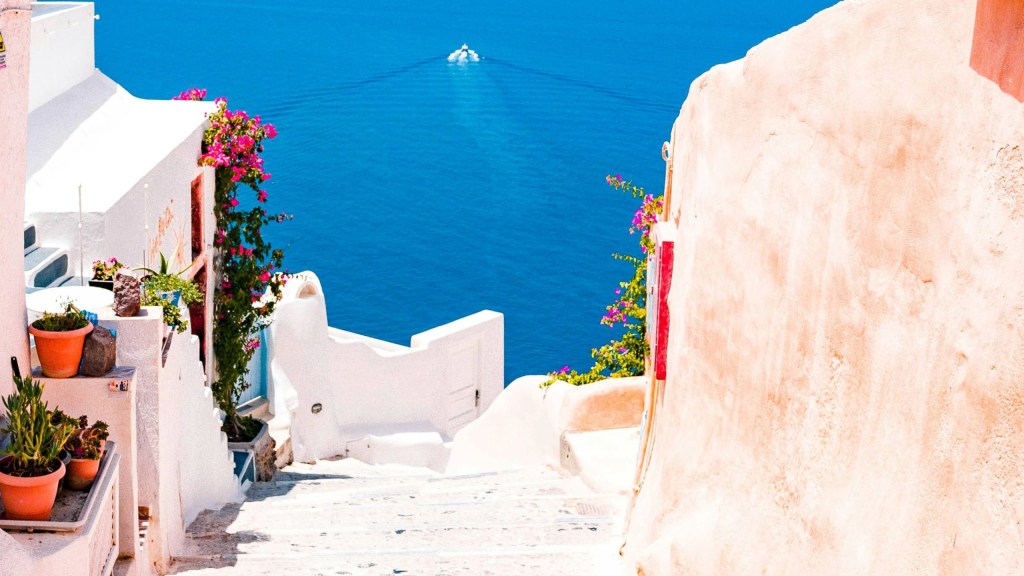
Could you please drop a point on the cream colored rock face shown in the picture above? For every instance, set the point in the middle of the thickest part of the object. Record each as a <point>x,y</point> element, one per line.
<point>846,386</point>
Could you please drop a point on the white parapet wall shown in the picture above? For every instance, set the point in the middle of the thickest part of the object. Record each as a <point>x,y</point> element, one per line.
<point>62,49</point>
<point>332,387</point>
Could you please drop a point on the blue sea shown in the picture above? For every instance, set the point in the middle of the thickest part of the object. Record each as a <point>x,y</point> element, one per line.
<point>424,191</point>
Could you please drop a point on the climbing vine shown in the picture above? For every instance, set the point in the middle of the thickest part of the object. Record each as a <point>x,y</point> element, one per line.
<point>628,355</point>
<point>250,282</point>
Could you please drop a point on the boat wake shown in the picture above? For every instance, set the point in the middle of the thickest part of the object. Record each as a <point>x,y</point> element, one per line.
<point>463,55</point>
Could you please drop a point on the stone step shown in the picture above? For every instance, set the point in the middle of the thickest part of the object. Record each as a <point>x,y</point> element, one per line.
<point>340,469</point>
<point>70,280</point>
<point>340,517</point>
<point>44,265</point>
<point>407,512</point>
<point>304,538</point>
<point>394,496</point>
<point>349,489</point>
<point>528,561</point>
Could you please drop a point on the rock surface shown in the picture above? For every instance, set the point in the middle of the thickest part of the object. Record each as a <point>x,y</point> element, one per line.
<point>127,295</point>
<point>845,389</point>
<point>99,353</point>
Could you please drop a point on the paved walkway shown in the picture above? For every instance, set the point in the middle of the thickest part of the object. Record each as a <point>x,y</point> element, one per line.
<point>343,517</point>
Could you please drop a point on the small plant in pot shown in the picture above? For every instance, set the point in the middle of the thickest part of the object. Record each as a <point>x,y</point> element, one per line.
<point>58,417</point>
<point>31,467</point>
<point>59,341</point>
<point>103,272</point>
<point>86,448</point>
<point>168,290</point>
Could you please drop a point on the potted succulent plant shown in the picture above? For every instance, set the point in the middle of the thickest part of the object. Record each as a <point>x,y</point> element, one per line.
<point>86,448</point>
<point>31,467</point>
<point>168,289</point>
<point>103,272</point>
<point>59,341</point>
<point>58,417</point>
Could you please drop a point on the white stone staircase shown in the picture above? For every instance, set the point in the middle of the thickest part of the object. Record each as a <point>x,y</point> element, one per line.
<point>342,517</point>
<point>44,265</point>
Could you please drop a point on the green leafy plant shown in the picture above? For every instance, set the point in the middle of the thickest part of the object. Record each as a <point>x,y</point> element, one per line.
<point>85,442</point>
<point>628,355</point>
<point>172,311</point>
<point>35,440</point>
<point>70,319</point>
<point>165,268</point>
<point>249,267</point>
<point>163,280</point>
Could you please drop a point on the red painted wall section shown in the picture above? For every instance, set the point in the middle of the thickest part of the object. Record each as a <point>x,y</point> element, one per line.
<point>664,239</point>
<point>997,50</point>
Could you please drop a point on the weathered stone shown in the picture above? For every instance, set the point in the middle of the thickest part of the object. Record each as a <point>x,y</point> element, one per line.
<point>127,295</point>
<point>99,353</point>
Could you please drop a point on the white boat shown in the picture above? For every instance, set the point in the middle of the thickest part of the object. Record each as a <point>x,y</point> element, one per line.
<point>463,55</point>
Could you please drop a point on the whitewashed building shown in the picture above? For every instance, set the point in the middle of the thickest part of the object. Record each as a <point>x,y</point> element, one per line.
<point>89,172</point>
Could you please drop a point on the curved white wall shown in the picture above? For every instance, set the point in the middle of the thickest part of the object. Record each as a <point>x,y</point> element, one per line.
<point>366,386</point>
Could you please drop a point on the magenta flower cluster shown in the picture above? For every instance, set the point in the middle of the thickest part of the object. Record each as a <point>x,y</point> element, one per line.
<point>191,94</point>
<point>251,285</point>
<point>627,356</point>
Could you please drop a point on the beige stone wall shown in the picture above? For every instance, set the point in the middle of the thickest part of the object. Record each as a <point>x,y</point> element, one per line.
<point>846,377</point>
<point>15,25</point>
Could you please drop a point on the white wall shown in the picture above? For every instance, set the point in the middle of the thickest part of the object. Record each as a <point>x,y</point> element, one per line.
<point>120,231</point>
<point>205,466</point>
<point>184,465</point>
<point>62,51</point>
<point>13,145</point>
<point>366,386</point>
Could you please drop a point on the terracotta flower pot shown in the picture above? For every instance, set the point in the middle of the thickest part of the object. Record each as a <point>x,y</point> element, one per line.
<point>82,472</point>
<point>60,353</point>
<point>29,498</point>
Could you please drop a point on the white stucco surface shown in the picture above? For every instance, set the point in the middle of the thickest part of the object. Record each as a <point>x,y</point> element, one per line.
<point>528,426</point>
<point>16,27</point>
<point>195,471</point>
<point>520,430</point>
<point>368,387</point>
<point>205,466</point>
<point>81,138</point>
<point>62,49</point>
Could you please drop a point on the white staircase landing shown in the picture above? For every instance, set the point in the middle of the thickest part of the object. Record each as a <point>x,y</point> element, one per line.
<point>346,517</point>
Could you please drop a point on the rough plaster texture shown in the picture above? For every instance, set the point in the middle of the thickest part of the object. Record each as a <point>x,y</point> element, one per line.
<point>845,390</point>
<point>366,386</point>
<point>15,26</point>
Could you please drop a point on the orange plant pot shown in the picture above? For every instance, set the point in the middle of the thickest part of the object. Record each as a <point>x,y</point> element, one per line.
<point>29,498</point>
<point>82,473</point>
<point>60,353</point>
